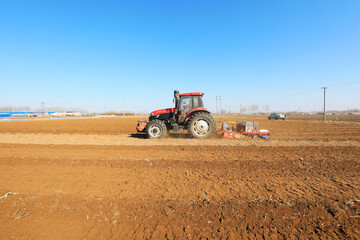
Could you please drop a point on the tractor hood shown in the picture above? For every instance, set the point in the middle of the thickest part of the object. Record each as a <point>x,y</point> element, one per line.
<point>161,111</point>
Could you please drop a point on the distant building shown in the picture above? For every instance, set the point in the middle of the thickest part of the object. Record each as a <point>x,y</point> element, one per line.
<point>72,114</point>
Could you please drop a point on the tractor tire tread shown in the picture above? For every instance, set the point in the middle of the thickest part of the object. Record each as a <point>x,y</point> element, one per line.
<point>162,125</point>
<point>212,125</point>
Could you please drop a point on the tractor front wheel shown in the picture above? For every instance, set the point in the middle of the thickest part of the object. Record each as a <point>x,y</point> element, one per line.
<point>202,125</point>
<point>156,129</point>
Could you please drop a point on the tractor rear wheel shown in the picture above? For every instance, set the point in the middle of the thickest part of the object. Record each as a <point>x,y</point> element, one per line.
<point>202,125</point>
<point>156,129</point>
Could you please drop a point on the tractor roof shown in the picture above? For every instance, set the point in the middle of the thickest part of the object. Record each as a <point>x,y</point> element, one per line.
<point>192,94</point>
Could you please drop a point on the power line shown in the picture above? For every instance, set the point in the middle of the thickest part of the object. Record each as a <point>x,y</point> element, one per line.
<point>344,84</point>
<point>301,93</point>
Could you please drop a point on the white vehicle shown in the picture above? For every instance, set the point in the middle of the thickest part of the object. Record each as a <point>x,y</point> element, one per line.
<point>277,116</point>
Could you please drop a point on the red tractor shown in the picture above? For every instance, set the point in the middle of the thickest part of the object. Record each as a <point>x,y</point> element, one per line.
<point>189,114</point>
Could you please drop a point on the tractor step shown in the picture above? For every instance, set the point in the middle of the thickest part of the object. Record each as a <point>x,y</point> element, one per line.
<point>177,128</point>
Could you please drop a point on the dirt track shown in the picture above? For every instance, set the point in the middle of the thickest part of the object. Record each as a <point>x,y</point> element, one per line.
<point>73,180</point>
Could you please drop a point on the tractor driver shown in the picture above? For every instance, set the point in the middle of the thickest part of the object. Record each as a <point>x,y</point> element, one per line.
<point>186,105</point>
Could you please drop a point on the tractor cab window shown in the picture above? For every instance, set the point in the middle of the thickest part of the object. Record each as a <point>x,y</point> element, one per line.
<point>186,103</point>
<point>197,102</point>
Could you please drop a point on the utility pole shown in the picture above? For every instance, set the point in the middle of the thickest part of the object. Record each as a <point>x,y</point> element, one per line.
<point>43,106</point>
<point>216,104</point>
<point>220,104</point>
<point>123,107</point>
<point>324,103</point>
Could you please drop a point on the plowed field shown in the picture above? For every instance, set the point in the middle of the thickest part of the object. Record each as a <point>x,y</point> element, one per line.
<point>98,179</point>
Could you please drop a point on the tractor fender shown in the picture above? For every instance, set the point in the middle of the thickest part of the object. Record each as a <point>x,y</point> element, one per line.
<point>194,111</point>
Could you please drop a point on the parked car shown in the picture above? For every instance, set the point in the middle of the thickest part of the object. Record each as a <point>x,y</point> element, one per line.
<point>277,116</point>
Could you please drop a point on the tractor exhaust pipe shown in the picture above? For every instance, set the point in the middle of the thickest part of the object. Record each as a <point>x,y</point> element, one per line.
<point>177,102</point>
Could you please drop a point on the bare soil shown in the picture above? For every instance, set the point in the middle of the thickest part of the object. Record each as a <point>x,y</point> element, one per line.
<point>99,179</point>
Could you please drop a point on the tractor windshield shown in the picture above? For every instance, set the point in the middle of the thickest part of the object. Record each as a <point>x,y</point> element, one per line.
<point>186,102</point>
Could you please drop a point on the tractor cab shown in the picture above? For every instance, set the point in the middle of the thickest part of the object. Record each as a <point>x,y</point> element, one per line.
<point>186,103</point>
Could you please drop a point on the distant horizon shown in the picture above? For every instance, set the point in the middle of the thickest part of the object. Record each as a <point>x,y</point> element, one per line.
<point>63,109</point>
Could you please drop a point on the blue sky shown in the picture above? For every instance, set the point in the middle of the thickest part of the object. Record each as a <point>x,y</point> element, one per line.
<point>88,54</point>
